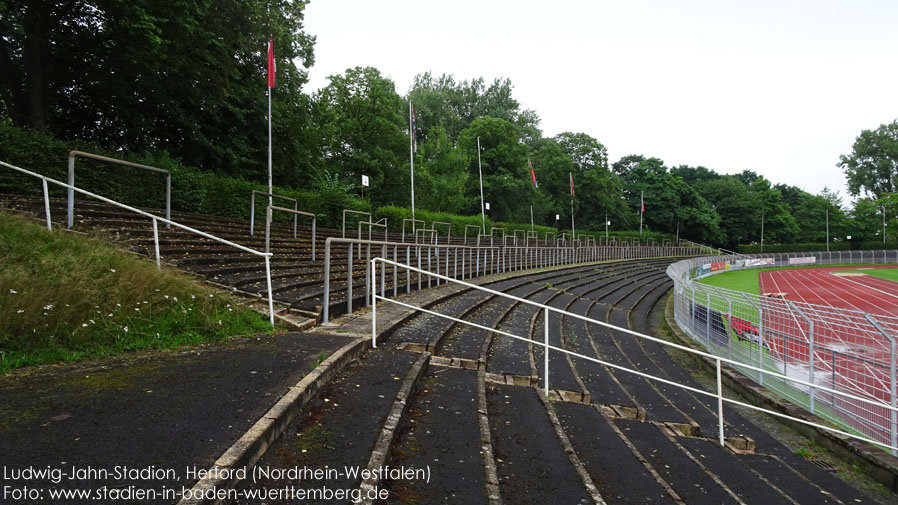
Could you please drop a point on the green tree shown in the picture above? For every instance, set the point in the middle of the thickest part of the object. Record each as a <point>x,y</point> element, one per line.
<point>187,77</point>
<point>872,166</point>
<point>505,174</point>
<point>440,174</point>
<point>363,129</point>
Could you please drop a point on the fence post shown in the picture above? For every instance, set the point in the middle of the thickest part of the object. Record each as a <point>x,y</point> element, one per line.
<point>810,353</point>
<point>708,320</point>
<point>327,279</point>
<point>349,280</point>
<point>760,337</point>
<point>546,354</point>
<point>893,398</point>
<point>719,404</point>
<point>156,242</point>
<point>373,267</point>
<point>47,204</point>
<point>270,294</point>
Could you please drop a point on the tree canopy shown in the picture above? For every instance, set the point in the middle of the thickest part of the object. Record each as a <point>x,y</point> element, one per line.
<point>187,80</point>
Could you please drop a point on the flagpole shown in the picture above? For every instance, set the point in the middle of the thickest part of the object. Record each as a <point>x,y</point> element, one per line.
<point>531,218</point>
<point>411,149</point>
<point>269,146</point>
<point>480,171</point>
<point>641,211</point>
<point>573,231</point>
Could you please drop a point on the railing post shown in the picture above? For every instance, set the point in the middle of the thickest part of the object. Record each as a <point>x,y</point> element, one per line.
<point>719,404</point>
<point>810,354</point>
<point>156,243</point>
<point>368,273</point>
<point>267,228</point>
<point>71,191</point>
<point>47,204</point>
<point>252,212</point>
<point>270,294</point>
<point>708,321</point>
<point>327,279</point>
<point>893,395</point>
<point>546,353</point>
<point>349,280</point>
<point>313,237</point>
<point>373,267</point>
<point>168,200</point>
<point>760,337</point>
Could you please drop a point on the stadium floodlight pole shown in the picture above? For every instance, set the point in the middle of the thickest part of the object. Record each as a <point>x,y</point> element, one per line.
<point>480,171</point>
<point>411,150</point>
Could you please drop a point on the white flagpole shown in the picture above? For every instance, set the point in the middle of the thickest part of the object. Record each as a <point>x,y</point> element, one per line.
<point>641,212</point>
<point>480,171</point>
<point>573,230</point>
<point>531,218</point>
<point>269,146</point>
<point>411,150</point>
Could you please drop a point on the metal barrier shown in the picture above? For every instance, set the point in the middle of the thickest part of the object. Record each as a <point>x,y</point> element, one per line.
<point>718,360</point>
<point>252,208</point>
<point>847,350</point>
<point>350,211</point>
<point>476,227</point>
<point>295,214</point>
<point>413,221</point>
<point>169,222</point>
<point>465,261</point>
<point>81,154</point>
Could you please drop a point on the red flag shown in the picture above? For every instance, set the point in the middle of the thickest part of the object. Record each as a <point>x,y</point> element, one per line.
<point>642,200</point>
<point>572,184</point>
<point>271,66</point>
<point>532,175</point>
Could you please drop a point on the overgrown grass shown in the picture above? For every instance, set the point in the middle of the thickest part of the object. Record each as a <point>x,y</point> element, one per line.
<point>65,297</point>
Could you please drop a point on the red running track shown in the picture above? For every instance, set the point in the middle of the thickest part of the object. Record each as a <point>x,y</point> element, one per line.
<point>847,347</point>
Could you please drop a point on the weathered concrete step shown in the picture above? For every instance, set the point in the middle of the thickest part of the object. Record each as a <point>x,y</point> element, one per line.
<point>618,470</point>
<point>441,432</point>
<point>531,463</point>
<point>338,429</point>
<point>690,481</point>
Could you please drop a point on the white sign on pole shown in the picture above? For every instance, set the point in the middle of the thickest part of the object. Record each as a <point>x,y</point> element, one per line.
<point>557,217</point>
<point>365,181</point>
<point>609,223</point>
<point>487,205</point>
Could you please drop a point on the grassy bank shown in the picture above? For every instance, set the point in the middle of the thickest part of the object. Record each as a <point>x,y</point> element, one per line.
<point>65,297</point>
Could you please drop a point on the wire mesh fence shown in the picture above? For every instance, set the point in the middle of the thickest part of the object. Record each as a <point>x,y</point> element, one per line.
<point>842,349</point>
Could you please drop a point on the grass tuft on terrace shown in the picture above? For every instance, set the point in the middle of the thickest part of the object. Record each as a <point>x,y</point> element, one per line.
<point>66,297</point>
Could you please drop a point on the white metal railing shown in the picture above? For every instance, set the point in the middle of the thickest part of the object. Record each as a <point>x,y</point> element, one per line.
<point>718,360</point>
<point>252,208</point>
<point>472,260</point>
<point>849,350</point>
<point>154,218</point>
<point>81,154</point>
<point>295,213</point>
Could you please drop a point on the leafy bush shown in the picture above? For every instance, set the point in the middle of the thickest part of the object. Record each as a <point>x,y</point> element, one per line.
<point>192,190</point>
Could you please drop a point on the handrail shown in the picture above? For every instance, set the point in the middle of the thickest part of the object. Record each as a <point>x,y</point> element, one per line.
<point>155,218</point>
<point>719,361</point>
<point>475,226</point>
<point>252,208</point>
<point>433,226</point>
<point>350,211</point>
<point>546,237</point>
<point>413,221</point>
<point>370,224</point>
<point>295,214</point>
<point>71,192</point>
<point>492,258</point>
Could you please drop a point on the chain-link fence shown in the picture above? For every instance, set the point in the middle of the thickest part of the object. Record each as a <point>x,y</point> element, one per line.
<point>840,349</point>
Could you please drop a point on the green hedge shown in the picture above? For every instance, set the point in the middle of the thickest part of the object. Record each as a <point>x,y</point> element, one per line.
<point>192,190</point>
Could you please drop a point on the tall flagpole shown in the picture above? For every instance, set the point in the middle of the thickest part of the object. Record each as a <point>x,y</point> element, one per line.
<point>641,211</point>
<point>480,171</point>
<point>411,149</point>
<point>573,231</point>
<point>270,85</point>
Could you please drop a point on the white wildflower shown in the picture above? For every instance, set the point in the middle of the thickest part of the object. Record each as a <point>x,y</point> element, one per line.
<point>20,311</point>
<point>84,325</point>
<point>192,297</point>
<point>110,314</point>
<point>126,329</point>
<point>175,298</point>
<point>219,322</point>
<point>13,291</point>
<point>112,270</point>
<point>48,306</point>
<point>136,309</point>
<point>92,321</point>
<point>165,296</point>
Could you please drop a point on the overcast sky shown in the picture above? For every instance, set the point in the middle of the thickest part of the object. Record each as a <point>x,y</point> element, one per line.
<point>778,87</point>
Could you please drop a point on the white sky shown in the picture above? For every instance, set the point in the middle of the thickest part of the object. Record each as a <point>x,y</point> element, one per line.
<point>779,87</point>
